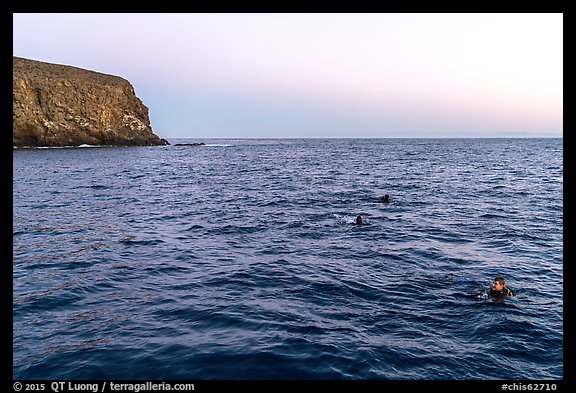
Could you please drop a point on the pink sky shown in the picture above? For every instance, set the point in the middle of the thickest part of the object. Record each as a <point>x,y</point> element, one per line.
<point>321,75</point>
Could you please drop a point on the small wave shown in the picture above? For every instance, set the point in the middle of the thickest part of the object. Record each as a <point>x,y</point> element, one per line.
<point>194,227</point>
<point>492,216</point>
<point>130,241</point>
<point>237,229</point>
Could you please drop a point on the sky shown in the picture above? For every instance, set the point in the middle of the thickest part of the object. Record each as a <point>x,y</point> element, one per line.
<point>320,75</point>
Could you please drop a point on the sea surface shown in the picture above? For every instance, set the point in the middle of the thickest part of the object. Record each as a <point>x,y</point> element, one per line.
<point>239,260</point>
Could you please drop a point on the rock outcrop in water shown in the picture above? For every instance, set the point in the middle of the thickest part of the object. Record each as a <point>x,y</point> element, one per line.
<point>58,105</point>
<point>191,144</point>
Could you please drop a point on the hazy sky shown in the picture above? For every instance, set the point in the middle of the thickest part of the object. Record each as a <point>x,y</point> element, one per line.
<point>321,75</point>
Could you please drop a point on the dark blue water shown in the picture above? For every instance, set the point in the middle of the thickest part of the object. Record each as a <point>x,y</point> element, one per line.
<point>237,260</point>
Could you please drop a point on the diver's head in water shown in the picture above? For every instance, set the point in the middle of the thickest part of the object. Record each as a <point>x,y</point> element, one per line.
<point>385,198</point>
<point>498,284</point>
<point>358,220</point>
<point>499,289</point>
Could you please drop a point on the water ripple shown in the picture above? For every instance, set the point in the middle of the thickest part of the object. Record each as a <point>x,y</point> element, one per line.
<point>239,260</point>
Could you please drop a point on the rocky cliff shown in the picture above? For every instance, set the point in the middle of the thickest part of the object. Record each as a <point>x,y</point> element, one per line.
<point>58,105</point>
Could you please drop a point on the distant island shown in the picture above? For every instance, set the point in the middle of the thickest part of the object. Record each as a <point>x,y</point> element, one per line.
<point>58,105</point>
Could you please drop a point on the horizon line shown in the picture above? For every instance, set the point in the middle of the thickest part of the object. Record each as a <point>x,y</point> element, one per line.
<point>382,137</point>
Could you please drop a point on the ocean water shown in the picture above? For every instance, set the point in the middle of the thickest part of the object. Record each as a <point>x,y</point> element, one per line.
<point>238,260</point>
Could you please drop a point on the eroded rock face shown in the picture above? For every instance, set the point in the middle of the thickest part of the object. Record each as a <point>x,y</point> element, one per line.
<point>58,105</point>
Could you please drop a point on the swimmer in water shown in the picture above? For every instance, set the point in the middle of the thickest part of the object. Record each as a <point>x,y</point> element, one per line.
<point>385,198</point>
<point>358,220</point>
<point>499,290</point>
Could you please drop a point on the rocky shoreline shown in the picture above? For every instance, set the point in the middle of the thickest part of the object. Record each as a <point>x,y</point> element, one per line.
<point>63,106</point>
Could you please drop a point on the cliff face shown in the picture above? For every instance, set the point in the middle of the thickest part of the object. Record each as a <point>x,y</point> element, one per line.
<point>57,105</point>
